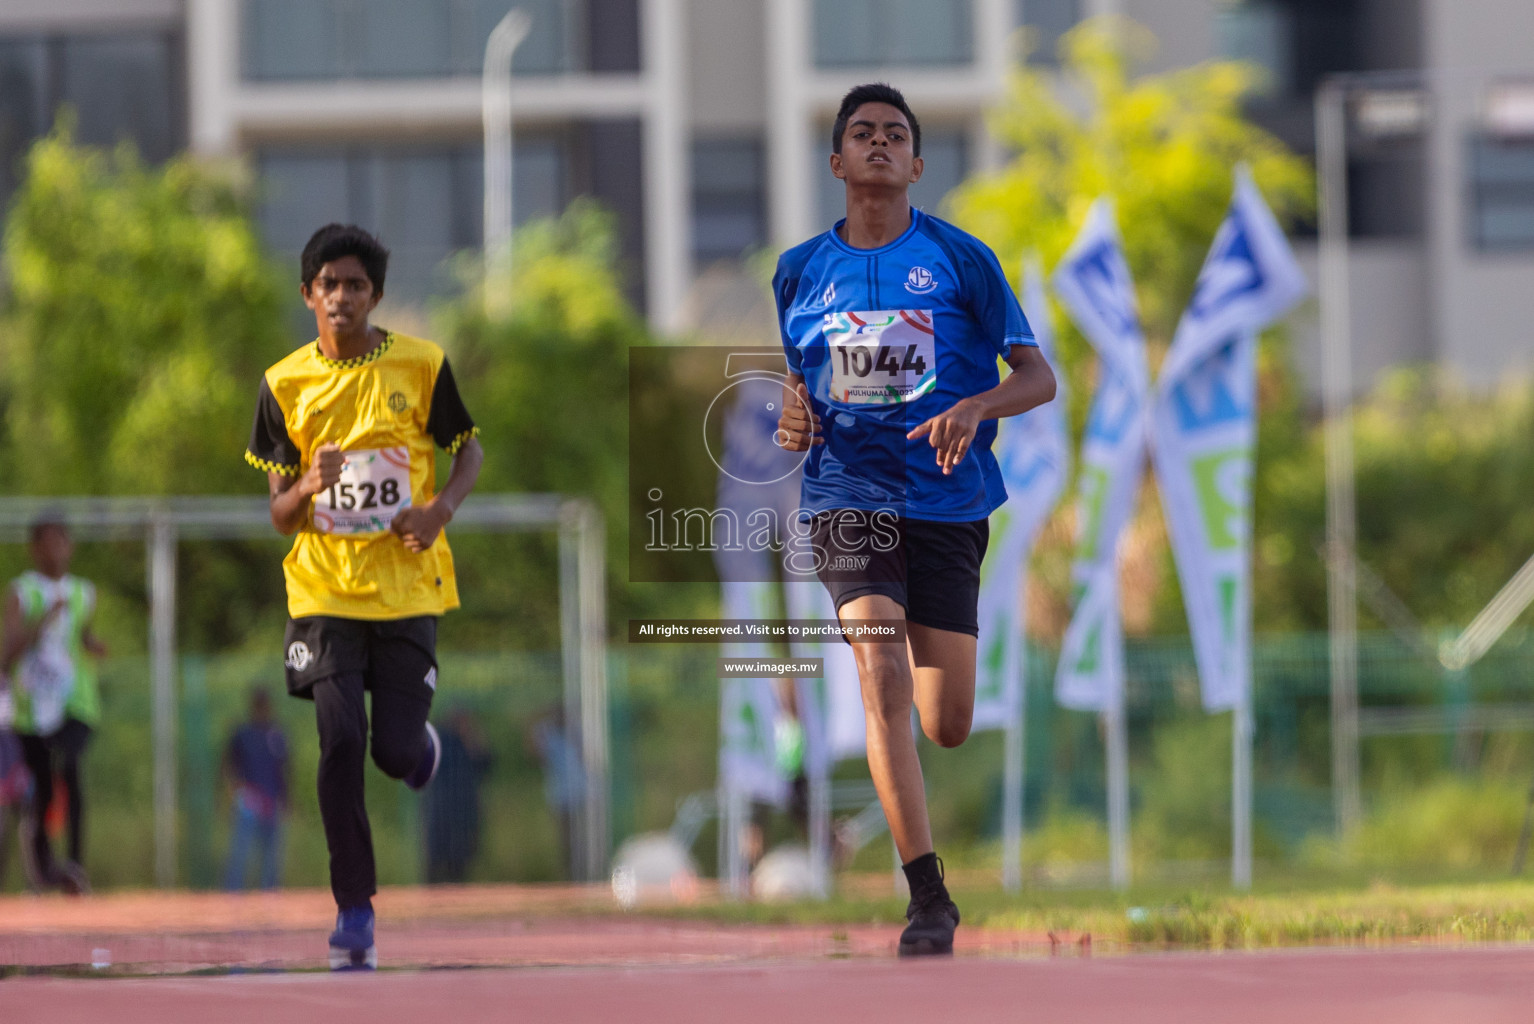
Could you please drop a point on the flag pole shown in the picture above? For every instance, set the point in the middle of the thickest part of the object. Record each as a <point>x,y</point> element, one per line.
<point>1116,733</point>
<point>1241,793</point>
<point>1012,786</point>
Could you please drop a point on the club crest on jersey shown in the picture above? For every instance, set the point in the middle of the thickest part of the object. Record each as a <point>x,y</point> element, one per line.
<point>299,656</point>
<point>920,281</point>
<point>398,403</point>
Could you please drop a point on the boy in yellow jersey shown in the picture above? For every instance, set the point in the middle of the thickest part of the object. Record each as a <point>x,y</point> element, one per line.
<point>346,428</point>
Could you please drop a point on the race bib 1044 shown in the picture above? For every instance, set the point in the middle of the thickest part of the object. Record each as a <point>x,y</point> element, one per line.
<point>374,485</point>
<point>881,357</point>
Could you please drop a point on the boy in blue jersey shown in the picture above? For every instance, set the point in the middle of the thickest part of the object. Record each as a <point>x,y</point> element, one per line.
<point>892,323</point>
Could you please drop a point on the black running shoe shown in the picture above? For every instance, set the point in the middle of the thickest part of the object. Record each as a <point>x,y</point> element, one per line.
<point>932,918</point>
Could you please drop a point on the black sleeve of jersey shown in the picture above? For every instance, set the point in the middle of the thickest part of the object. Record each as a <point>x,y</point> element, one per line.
<point>449,423</point>
<point>270,446</point>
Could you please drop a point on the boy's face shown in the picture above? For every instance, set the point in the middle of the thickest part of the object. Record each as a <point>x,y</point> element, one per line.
<point>341,296</point>
<point>877,149</point>
<point>52,550</point>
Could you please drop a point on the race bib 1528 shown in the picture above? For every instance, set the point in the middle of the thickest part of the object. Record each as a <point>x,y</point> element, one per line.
<point>881,357</point>
<point>374,484</point>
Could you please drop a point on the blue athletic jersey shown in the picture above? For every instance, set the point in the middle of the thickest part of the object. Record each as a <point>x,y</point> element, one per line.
<point>886,339</point>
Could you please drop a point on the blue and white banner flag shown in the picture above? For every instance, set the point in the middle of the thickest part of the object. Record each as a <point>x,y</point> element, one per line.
<point>1034,452</point>
<point>1094,284</point>
<point>1205,430</point>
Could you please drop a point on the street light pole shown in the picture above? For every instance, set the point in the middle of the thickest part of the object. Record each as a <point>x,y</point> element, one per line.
<point>1337,397</point>
<point>495,108</point>
<point>1388,106</point>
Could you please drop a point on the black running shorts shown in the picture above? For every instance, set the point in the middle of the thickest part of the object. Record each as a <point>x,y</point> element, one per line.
<point>397,653</point>
<point>931,569</point>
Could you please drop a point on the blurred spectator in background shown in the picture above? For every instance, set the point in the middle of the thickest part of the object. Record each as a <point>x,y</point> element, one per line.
<point>564,777</point>
<point>452,801</point>
<point>256,764</point>
<point>47,637</point>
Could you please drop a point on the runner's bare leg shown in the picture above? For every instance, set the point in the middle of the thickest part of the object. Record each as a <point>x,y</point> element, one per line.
<point>884,672</point>
<point>943,666</point>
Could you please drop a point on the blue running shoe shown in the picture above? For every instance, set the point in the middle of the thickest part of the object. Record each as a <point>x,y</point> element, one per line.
<point>427,769</point>
<point>351,944</point>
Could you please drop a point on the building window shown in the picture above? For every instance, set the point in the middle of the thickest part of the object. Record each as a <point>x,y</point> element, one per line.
<point>945,163</point>
<point>729,215</point>
<point>1047,21</point>
<point>1260,33</point>
<point>863,33</point>
<point>121,86</point>
<point>1502,193</point>
<point>424,204</point>
<point>329,39</point>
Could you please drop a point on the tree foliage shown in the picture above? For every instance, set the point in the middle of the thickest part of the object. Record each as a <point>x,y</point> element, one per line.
<point>546,381</point>
<point>1443,475</point>
<point>141,311</point>
<point>1164,147</point>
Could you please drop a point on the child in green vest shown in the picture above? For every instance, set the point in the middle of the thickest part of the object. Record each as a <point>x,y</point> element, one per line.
<point>47,637</point>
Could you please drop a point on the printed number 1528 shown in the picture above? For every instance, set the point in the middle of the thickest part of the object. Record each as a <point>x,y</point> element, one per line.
<point>364,495</point>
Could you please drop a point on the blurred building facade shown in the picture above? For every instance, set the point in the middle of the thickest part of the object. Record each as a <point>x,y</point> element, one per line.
<point>703,125</point>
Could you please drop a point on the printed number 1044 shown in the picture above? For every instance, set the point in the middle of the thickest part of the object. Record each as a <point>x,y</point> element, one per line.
<point>860,361</point>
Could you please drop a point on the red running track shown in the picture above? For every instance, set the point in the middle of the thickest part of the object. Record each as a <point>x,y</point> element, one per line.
<point>1485,985</point>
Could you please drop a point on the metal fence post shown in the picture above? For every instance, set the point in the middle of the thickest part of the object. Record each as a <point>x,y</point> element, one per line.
<point>592,605</point>
<point>570,646</point>
<point>162,655</point>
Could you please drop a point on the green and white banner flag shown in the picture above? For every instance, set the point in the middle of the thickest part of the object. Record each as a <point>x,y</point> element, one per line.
<point>749,708</point>
<point>1034,453</point>
<point>830,708</point>
<point>1094,284</point>
<point>1205,431</point>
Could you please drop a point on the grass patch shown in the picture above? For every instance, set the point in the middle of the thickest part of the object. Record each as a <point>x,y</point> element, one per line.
<point>1501,911</point>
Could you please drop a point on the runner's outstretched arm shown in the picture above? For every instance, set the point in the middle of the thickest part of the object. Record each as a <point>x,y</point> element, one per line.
<point>1031,383</point>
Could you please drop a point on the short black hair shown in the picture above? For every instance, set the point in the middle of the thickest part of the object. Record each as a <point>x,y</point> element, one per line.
<point>873,92</point>
<point>52,519</point>
<point>334,241</point>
